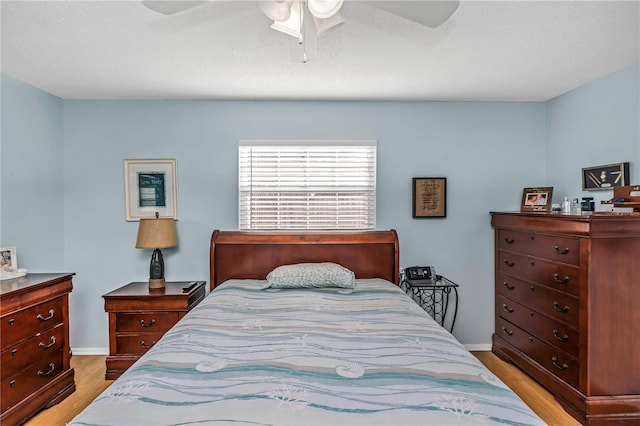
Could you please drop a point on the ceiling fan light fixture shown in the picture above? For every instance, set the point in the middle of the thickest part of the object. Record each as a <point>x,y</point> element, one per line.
<point>277,10</point>
<point>323,9</point>
<point>324,25</point>
<point>293,25</point>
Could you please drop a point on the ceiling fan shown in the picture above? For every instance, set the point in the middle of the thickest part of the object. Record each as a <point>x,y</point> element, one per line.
<point>290,16</point>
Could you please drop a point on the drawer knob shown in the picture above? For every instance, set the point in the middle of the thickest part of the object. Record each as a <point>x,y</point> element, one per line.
<point>509,240</point>
<point>47,318</point>
<point>52,368</point>
<point>561,338</point>
<point>142,323</point>
<point>508,263</point>
<point>12,383</point>
<point>507,332</point>
<point>53,342</point>
<point>557,278</point>
<point>557,307</point>
<point>14,352</point>
<point>557,250</point>
<point>554,360</point>
<point>507,308</point>
<point>147,346</point>
<point>12,321</point>
<point>509,286</point>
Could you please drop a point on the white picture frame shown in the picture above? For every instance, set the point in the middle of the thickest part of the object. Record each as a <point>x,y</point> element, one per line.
<point>150,187</point>
<point>8,258</point>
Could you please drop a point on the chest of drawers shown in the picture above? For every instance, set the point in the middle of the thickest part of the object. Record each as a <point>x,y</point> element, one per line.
<point>139,317</point>
<point>567,289</point>
<point>35,358</point>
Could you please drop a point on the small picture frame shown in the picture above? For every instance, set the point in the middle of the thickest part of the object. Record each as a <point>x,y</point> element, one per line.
<point>605,177</point>
<point>150,187</point>
<point>537,199</point>
<point>429,197</point>
<point>8,258</point>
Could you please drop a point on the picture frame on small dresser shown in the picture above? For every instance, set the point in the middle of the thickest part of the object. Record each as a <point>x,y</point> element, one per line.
<point>150,187</point>
<point>8,258</point>
<point>536,199</point>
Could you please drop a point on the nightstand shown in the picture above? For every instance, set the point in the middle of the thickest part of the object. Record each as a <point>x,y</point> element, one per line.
<point>139,317</point>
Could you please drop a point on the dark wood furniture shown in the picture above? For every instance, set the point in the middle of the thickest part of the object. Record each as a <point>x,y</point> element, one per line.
<point>35,359</point>
<point>567,289</point>
<point>244,255</point>
<point>139,317</point>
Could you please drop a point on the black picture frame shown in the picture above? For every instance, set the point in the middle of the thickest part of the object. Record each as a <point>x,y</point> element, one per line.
<point>608,176</point>
<point>429,197</point>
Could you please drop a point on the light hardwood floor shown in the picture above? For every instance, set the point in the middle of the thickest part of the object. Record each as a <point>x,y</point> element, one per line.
<point>89,376</point>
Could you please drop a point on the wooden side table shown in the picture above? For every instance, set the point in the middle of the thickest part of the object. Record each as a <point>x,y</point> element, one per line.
<point>139,317</point>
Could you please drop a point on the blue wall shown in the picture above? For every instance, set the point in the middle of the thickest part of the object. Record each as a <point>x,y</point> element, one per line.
<point>488,152</point>
<point>31,161</point>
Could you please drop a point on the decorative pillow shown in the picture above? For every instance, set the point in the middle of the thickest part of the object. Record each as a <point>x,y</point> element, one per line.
<point>311,275</point>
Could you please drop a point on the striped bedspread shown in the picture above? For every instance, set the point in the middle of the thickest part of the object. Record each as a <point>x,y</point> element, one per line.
<point>246,356</point>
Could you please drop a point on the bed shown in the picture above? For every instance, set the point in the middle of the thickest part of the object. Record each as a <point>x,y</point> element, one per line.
<point>265,352</point>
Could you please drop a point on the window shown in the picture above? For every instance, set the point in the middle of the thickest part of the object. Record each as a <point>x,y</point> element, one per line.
<point>295,185</point>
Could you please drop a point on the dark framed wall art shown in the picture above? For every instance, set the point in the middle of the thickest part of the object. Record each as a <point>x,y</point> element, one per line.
<point>429,197</point>
<point>605,177</point>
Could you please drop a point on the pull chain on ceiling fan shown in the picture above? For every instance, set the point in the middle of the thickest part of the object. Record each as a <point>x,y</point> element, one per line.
<point>289,15</point>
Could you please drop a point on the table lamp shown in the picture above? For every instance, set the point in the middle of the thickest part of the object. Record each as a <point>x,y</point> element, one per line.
<point>156,233</point>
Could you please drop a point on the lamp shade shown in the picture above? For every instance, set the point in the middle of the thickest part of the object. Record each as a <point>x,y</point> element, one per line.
<point>156,233</point>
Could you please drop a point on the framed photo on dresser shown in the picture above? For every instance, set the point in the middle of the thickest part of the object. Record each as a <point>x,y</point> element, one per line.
<point>536,199</point>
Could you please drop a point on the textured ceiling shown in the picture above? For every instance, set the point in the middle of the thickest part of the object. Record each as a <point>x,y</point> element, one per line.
<point>501,50</point>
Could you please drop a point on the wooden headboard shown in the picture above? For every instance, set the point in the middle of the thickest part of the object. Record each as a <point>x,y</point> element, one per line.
<point>244,255</point>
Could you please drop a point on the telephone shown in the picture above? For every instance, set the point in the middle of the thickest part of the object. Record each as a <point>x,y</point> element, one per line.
<point>423,274</point>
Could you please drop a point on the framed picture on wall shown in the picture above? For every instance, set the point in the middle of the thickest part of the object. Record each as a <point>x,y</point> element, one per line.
<point>429,197</point>
<point>536,199</point>
<point>150,187</point>
<point>605,177</point>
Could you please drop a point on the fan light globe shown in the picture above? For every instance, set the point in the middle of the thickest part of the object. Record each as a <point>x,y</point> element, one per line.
<point>277,10</point>
<point>324,9</point>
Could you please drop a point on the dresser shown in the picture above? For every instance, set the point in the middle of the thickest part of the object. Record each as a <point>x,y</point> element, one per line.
<point>35,358</point>
<point>567,308</point>
<point>139,317</point>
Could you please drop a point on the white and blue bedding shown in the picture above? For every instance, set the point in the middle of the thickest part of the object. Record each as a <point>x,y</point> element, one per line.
<point>249,356</point>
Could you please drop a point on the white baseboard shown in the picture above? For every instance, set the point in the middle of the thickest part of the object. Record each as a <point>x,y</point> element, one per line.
<point>90,351</point>
<point>478,347</point>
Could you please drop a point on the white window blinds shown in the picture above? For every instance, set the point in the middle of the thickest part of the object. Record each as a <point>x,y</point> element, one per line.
<point>292,185</point>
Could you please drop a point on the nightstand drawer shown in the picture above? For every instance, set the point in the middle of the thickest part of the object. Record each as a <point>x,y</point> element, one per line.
<point>157,322</point>
<point>23,324</point>
<point>20,356</point>
<point>136,343</point>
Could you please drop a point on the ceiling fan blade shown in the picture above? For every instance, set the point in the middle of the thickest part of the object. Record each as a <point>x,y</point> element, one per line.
<point>432,13</point>
<point>169,7</point>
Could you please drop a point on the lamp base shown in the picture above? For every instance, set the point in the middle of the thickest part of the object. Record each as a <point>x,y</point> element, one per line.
<point>156,283</point>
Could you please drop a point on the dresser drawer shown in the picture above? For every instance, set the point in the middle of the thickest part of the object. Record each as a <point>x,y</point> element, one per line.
<point>551,331</point>
<point>20,356</point>
<point>553,303</point>
<point>555,361</point>
<point>23,324</point>
<point>561,277</point>
<point>158,322</point>
<point>552,247</point>
<point>15,388</point>
<point>136,344</point>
